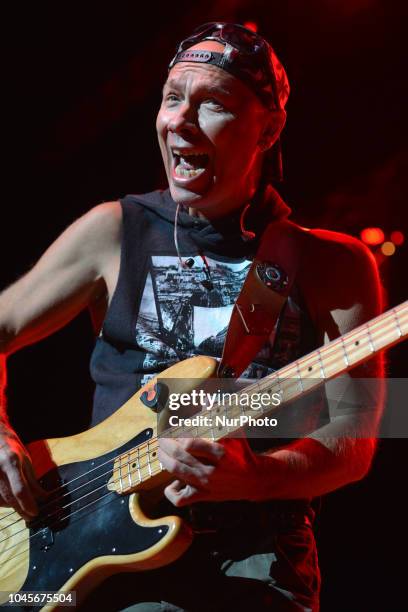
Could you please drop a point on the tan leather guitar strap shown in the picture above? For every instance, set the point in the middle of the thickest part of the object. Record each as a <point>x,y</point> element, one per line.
<point>262,297</point>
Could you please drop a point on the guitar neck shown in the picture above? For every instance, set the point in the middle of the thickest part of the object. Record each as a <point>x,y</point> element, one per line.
<point>291,382</point>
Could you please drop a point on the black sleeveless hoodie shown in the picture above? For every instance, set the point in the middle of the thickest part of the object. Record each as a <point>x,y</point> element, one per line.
<point>161,313</point>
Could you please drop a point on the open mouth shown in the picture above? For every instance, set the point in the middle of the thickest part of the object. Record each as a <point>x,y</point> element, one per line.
<point>189,165</point>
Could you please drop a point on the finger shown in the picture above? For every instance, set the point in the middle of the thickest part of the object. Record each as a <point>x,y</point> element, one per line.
<point>178,453</point>
<point>6,498</point>
<point>34,485</point>
<point>186,467</point>
<point>20,490</point>
<point>181,494</point>
<point>198,447</point>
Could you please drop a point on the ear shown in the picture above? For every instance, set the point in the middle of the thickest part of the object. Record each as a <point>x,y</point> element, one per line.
<point>274,125</point>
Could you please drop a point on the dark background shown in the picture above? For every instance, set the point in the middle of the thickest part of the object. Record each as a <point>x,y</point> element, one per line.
<point>82,87</point>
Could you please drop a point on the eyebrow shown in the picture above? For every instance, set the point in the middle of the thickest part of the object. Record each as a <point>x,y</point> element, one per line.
<point>213,89</point>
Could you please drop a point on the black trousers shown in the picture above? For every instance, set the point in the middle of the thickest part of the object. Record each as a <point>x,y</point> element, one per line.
<point>264,562</point>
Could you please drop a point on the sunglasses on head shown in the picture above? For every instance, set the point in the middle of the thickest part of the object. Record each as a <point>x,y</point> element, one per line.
<point>255,48</point>
<point>234,34</point>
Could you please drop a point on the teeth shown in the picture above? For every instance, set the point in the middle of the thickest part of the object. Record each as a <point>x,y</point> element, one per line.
<point>180,171</point>
<point>181,153</point>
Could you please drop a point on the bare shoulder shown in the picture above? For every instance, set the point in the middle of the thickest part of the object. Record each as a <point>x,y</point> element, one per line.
<point>337,256</point>
<point>338,273</point>
<point>340,247</point>
<point>102,223</point>
<point>92,241</point>
<point>77,269</point>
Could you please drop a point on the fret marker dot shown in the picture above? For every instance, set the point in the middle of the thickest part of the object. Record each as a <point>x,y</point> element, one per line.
<point>134,465</point>
<point>357,342</point>
<point>309,368</point>
<point>154,454</point>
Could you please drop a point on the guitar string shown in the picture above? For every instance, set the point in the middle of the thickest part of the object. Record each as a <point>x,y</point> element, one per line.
<point>277,384</point>
<point>275,381</point>
<point>69,515</point>
<point>60,519</point>
<point>120,467</point>
<point>183,429</point>
<point>54,525</point>
<point>97,467</point>
<point>40,519</point>
<point>133,461</point>
<point>120,478</point>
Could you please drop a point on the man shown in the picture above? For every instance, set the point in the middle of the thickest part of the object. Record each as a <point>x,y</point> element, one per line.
<point>218,127</point>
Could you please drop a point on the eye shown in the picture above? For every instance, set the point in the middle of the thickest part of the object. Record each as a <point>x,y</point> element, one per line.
<point>213,102</point>
<point>171,97</point>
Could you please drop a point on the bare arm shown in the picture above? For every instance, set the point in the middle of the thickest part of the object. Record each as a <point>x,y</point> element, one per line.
<point>79,266</point>
<point>341,451</point>
<point>67,278</point>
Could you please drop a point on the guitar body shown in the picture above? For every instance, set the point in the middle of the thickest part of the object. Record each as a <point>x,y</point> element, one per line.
<point>92,528</point>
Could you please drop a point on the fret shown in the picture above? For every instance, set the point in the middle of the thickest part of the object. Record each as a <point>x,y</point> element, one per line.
<point>346,359</point>
<point>212,430</point>
<point>394,312</point>
<point>323,375</point>
<point>286,388</point>
<point>128,471</point>
<point>120,474</point>
<point>148,459</point>
<point>300,377</point>
<point>269,391</point>
<point>279,385</point>
<point>225,406</point>
<point>370,340</point>
<point>139,474</point>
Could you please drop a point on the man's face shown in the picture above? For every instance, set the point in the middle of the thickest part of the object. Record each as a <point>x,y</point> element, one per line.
<point>209,126</point>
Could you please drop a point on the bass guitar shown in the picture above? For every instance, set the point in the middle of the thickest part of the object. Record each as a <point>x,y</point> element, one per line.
<point>94,522</point>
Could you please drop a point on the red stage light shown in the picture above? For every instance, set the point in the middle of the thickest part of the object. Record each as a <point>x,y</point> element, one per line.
<point>372,235</point>
<point>251,25</point>
<point>397,238</point>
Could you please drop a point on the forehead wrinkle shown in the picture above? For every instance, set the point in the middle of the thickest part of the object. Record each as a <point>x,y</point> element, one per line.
<point>216,77</point>
<point>210,87</point>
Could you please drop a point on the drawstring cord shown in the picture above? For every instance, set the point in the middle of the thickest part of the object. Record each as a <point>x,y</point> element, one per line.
<point>183,265</point>
<point>245,234</point>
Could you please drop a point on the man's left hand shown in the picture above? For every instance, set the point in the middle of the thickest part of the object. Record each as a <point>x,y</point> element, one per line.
<point>211,471</point>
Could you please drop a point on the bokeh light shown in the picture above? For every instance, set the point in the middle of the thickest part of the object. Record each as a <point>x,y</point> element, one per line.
<point>372,235</point>
<point>388,248</point>
<point>397,238</point>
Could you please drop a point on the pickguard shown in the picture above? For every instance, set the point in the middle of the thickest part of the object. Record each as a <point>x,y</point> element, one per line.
<point>84,521</point>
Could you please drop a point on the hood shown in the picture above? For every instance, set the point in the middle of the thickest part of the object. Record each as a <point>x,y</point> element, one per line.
<point>221,234</point>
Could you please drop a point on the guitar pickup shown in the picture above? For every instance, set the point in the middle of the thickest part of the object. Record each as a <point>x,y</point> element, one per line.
<point>46,538</point>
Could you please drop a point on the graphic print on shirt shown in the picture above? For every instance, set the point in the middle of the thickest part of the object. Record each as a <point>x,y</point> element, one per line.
<point>179,317</point>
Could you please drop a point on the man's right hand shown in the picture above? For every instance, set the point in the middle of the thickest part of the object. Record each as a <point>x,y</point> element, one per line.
<point>19,487</point>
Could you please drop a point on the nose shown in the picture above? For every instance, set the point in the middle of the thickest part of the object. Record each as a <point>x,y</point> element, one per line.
<point>183,120</point>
